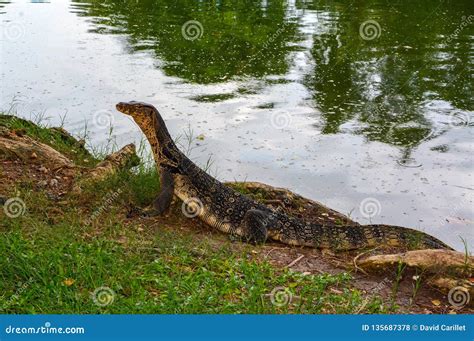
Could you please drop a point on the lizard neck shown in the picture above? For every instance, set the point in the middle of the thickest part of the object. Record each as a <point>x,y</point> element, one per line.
<point>165,151</point>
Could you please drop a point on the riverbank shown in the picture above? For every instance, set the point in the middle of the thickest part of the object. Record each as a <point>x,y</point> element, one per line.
<point>72,241</point>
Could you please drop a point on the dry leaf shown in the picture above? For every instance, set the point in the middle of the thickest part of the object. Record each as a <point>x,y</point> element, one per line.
<point>68,282</point>
<point>436,302</point>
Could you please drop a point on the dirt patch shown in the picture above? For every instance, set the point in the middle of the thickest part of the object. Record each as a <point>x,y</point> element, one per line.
<point>38,177</point>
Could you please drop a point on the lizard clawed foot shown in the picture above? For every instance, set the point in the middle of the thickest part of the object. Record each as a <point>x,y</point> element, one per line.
<point>149,212</point>
<point>146,212</point>
<point>254,226</point>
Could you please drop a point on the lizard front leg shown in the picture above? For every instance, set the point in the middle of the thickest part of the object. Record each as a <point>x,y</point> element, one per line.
<point>165,197</point>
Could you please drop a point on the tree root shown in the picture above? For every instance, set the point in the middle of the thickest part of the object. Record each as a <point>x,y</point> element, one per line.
<point>123,159</point>
<point>16,145</point>
<point>448,271</point>
<point>432,261</point>
<point>29,150</point>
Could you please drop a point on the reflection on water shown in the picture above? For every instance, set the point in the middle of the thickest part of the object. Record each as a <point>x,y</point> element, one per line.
<point>233,41</point>
<point>384,88</point>
<point>338,101</point>
<point>2,4</point>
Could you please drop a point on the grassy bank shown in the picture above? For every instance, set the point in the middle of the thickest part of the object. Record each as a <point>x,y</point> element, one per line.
<point>90,253</point>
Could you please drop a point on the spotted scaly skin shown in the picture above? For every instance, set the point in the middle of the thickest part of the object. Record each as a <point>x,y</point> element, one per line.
<point>232,212</point>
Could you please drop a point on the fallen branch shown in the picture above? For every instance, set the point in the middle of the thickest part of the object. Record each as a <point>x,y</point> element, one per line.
<point>27,149</point>
<point>295,261</point>
<point>123,159</point>
<point>433,261</point>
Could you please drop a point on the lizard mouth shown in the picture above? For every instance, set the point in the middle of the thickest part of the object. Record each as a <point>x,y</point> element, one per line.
<point>124,108</point>
<point>134,109</point>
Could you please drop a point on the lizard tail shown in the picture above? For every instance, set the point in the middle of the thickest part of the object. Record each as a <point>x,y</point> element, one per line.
<point>401,236</point>
<point>343,238</point>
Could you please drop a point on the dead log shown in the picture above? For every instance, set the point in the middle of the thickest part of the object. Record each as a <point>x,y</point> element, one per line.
<point>16,145</point>
<point>294,204</point>
<point>447,262</point>
<point>28,150</point>
<point>123,159</point>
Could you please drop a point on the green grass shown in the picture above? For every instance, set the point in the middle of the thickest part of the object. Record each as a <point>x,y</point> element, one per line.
<point>149,272</point>
<point>167,276</point>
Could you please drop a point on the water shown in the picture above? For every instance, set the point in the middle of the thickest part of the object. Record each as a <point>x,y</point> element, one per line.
<point>366,107</point>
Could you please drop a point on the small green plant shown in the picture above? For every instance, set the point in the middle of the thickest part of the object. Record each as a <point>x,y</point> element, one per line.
<point>396,284</point>
<point>467,266</point>
<point>416,285</point>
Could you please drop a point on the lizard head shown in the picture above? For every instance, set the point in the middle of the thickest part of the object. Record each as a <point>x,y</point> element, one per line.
<point>142,113</point>
<point>147,118</point>
<point>151,123</point>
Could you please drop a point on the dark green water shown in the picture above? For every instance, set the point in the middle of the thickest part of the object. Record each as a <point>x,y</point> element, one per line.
<point>339,100</point>
<point>384,83</point>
